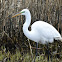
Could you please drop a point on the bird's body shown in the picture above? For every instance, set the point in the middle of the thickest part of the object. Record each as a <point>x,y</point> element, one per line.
<point>44,32</point>
<point>41,32</point>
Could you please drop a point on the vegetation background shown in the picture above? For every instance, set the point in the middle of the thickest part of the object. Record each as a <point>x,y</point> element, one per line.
<point>14,46</point>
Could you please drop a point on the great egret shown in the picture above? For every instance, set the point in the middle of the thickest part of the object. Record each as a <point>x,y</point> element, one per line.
<point>41,32</point>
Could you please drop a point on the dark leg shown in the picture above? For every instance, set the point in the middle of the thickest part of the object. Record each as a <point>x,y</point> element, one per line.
<point>48,52</point>
<point>36,51</point>
<point>51,53</point>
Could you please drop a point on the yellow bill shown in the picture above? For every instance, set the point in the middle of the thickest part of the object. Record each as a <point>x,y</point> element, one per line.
<point>16,15</point>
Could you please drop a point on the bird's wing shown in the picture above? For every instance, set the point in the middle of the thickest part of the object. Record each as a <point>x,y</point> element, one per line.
<point>45,29</point>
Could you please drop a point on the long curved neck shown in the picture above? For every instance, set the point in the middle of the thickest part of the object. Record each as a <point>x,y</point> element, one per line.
<point>28,19</point>
<point>26,25</point>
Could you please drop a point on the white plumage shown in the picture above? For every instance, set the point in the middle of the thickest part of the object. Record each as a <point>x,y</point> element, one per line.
<point>41,31</point>
<point>46,32</point>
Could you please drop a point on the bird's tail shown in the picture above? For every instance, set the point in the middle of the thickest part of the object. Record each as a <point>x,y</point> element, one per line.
<point>61,39</point>
<point>58,38</point>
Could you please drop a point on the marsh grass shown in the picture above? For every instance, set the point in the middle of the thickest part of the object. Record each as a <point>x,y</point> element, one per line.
<point>18,57</point>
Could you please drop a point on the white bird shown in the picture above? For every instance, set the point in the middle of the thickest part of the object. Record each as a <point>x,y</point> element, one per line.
<point>41,32</point>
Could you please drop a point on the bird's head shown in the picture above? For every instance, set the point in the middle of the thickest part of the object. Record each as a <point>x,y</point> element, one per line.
<point>23,12</point>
